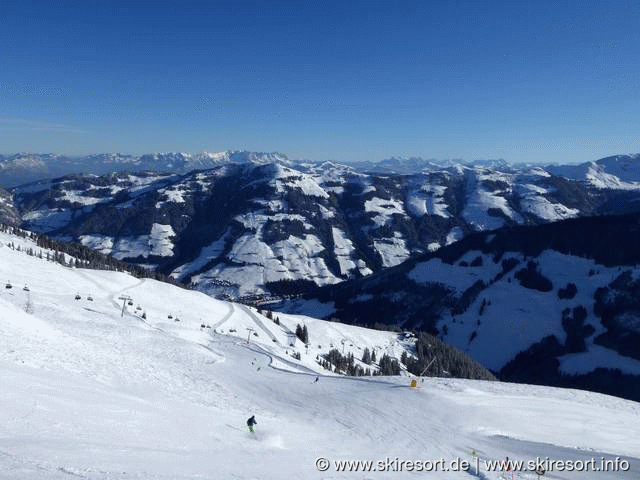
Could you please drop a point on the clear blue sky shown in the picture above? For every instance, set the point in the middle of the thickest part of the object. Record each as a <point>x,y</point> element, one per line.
<point>548,82</point>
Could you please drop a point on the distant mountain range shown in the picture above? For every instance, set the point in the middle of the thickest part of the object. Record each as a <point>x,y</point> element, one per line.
<point>256,224</point>
<point>22,168</point>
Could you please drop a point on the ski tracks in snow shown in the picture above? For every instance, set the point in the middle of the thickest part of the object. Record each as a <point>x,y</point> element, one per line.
<point>226,317</point>
<point>260,324</point>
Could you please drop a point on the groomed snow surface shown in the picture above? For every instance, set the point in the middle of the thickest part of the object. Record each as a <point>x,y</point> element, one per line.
<point>92,392</point>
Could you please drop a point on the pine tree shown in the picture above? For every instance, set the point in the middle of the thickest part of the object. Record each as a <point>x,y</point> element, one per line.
<point>302,333</point>
<point>366,356</point>
<point>299,331</point>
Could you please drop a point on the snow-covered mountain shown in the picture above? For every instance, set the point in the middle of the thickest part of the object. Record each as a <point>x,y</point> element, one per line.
<point>253,225</point>
<point>22,168</point>
<point>615,172</point>
<point>554,304</point>
<point>99,383</point>
<point>411,165</point>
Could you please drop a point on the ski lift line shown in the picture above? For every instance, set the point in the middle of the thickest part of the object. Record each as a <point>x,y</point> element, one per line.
<point>163,331</point>
<point>259,323</point>
<point>124,299</point>
<point>425,368</point>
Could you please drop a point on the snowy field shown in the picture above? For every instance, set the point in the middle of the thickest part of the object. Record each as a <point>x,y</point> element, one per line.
<point>92,391</point>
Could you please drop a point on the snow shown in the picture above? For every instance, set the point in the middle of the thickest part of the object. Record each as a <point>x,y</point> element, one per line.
<point>92,394</point>
<point>383,209</point>
<point>533,201</point>
<point>256,220</point>
<point>480,200</point>
<point>598,357</point>
<point>207,254</point>
<point>290,259</point>
<point>433,246</point>
<point>393,251</point>
<point>287,178</point>
<point>428,200</point>
<point>273,205</point>
<point>599,178</point>
<point>131,247</point>
<point>326,213</point>
<point>617,173</point>
<point>506,326</point>
<point>172,195</point>
<point>158,242</point>
<point>343,248</point>
<point>100,243</point>
<point>362,267</point>
<point>454,235</point>
<point>451,275</point>
<point>76,196</point>
<point>368,189</point>
<point>45,220</point>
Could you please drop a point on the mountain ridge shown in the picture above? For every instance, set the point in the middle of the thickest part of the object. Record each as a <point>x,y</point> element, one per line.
<point>242,228</point>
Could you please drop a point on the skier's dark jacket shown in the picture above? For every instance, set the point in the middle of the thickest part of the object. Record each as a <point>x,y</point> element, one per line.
<point>252,421</point>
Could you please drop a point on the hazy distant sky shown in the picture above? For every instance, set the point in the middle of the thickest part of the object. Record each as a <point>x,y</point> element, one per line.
<point>545,82</point>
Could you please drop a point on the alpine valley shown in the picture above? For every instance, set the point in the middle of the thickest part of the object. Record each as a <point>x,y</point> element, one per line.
<point>530,269</point>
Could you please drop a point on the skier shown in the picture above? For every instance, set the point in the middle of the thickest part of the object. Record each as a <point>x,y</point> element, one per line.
<point>317,378</point>
<point>251,422</point>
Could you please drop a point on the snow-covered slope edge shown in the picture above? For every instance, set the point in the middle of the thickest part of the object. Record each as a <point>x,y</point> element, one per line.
<point>89,391</point>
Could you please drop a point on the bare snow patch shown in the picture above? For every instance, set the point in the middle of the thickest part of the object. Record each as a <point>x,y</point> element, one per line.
<point>100,243</point>
<point>533,201</point>
<point>598,357</point>
<point>343,248</point>
<point>393,251</point>
<point>454,235</point>
<point>428,200</point>
<point>384,209</point>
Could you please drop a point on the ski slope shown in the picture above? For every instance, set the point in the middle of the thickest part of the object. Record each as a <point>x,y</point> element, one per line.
<point>92,391</point>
